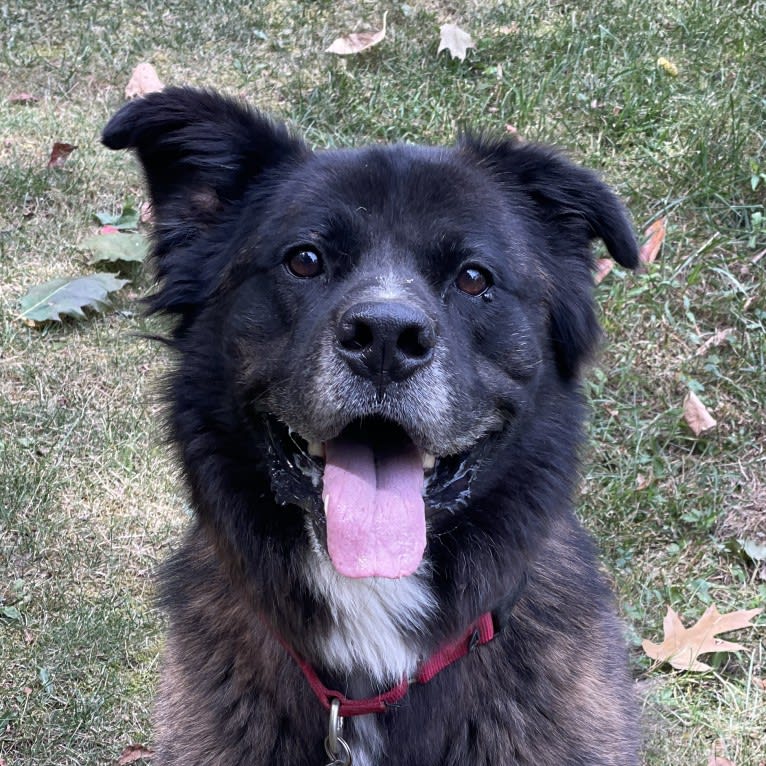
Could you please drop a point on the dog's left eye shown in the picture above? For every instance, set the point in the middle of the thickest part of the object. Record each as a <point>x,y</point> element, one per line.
<point>304,262</point>
<point>473,280</point>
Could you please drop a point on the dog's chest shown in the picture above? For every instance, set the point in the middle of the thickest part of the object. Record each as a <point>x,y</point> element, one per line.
<point>366,741</point>
<point>373,621</point>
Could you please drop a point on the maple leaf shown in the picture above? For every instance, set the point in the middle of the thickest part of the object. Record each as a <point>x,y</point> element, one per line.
<point>143,80</point>
<point>655,236</point>
<point>696,414</point>
<point>59,153</point>
<point>682,646</point>
<point>455,40</point>
<point>356,42</point>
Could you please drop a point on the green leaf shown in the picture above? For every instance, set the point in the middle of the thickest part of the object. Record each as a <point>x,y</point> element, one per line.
<point>130,248</point>
<point>68,296</point>
<point>755,549</point>
<point>10,613</point>
<point>127,219</point>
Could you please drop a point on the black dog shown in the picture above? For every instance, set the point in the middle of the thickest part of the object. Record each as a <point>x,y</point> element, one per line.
<point>377,409</point>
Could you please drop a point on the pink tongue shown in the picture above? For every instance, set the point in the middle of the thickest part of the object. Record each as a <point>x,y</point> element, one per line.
<point>376,524</point>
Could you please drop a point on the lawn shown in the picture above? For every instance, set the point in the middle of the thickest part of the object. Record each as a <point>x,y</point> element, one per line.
<point>89,497</point>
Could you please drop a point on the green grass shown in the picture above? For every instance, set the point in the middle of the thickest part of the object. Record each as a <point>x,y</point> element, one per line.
<point>89,500</point>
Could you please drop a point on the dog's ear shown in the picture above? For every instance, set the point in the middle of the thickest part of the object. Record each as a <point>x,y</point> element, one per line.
<point>574,207</point>
<point>201,152</point>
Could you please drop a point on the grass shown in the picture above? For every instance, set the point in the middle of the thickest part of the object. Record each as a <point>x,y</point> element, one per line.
<point>89,500</point>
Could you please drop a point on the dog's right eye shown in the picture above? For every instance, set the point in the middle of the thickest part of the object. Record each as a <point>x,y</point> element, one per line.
<point>304,262</point>
<point>473,280</point>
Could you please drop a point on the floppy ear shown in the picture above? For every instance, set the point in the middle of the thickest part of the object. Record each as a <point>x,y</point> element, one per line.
<point>574,207</point>
<point>201,152</point>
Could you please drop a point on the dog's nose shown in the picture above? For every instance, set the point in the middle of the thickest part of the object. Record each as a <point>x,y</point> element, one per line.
<point>385,341</point>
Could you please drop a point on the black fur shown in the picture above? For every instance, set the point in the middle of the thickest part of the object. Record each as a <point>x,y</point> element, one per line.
<point>233,195</point>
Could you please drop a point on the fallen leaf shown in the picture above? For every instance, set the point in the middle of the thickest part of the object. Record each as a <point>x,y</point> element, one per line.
<point>760,683</point>
<point>716,339</point>
<point>696,414</point>
<point>10,613</point>
<point>755,549</point>
<point>23,99</point>
<point>116,246</point>
<point>682,646</point>
<point>143,80</point>
<point>59,153</point>
<point>644,480</point>
<point>603,267</point>
<point>718,760</point>
<point>109,229</point>
<point>126,220</point>
<point>134,753</point>
<point>455,40</point>
<point>655,236</point>
<point>68,296</point>
<point>356,42</point>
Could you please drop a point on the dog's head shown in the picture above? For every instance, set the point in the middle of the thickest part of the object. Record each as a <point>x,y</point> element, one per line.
<point>379,322</point>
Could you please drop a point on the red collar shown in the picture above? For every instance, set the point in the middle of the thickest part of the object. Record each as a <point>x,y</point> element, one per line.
<point>481,632</point>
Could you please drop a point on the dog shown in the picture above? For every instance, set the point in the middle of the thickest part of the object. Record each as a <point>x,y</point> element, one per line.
<point>376,404</point>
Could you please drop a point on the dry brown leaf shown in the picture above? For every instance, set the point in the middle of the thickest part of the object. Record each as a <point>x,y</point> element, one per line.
<point>603,267</point>
<point>644,480</point>
<point>23,99</point>
<point>143,80</point>
<point>696,414</point>
<point>760,683</point>
<point>356,42</point>
<point>455,40</point>
<point>59,153</point>
<point>716,339</point>
<point>718,760</point>
<point>134,753</point>
<point>655,236</point>
<point>682,646</point>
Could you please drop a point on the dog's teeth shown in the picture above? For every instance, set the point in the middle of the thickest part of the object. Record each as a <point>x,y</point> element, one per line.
<point>326,502</point>
<point>429,461</point>
<point>316,449</point>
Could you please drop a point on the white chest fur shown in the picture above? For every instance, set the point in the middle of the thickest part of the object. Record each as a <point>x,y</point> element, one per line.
<point>370,617</point>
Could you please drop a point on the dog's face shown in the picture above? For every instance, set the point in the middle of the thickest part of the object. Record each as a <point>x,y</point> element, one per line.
<point>387,318</point>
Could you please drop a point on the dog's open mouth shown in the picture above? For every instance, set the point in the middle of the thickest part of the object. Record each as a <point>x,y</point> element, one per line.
<point>373,500</point>
<point>368,491</point>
